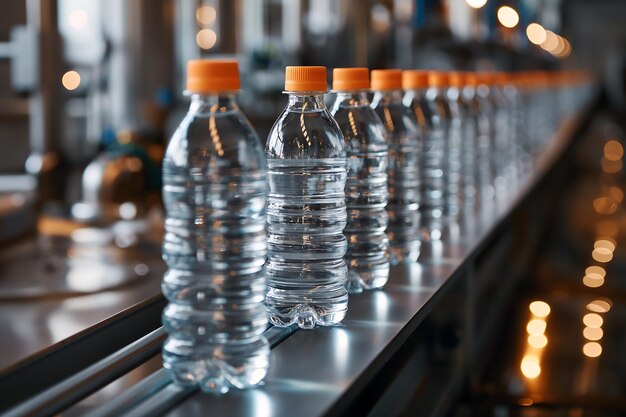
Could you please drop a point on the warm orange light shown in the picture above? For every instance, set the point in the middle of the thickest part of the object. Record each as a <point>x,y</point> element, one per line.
<point>617,194</point>
<point>206,38</point>
<point>551,42</point>
<point>560,46</point>
<point>593,320</point>
<point>206,15</point>
<point>602,255</point>
<point>536,33</point>
<point>567,49</point>
<point>595,271</point>
<point>536,326</point>
<point>530,367</point>
<point>508,17</point>
<point>601,305</point>
<point>611,167</point>
<point>476,4</point>
<point>592,282</point>
<point>71,80</point>
<point>539,308</point>
<point>604,205</point>
<point>593,333</point>
<point>613,150</point>
<point>604,244</point>
<point>538,341</point>
<point>592,349</point>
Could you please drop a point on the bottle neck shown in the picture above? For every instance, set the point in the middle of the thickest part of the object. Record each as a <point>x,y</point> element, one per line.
<point>387,96</point>
<point>356,98</point>
<point>301,101</point>
<point>212,103</point>
<point>436,92</point>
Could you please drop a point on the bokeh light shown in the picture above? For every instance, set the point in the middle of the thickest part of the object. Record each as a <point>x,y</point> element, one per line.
<point>71,80</point>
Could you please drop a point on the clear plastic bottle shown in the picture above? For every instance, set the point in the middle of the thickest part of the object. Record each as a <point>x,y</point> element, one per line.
<point>214,193</point>
<point>306,211</point>
<point>456,126</point>
<point>403,165</point>
<point>443,149</point>
<point>366,187</point>
<point>515,152</point>
<point>432,162</point>
<point>468,144</point>
<point>484,132</point>
<point>500,134</point>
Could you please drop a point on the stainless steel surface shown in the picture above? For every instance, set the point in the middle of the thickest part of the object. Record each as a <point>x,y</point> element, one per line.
<point>32,325</point>
<point>92,378</point>
<point>133,388</point>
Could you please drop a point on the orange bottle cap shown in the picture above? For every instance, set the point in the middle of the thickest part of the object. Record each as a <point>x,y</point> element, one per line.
<point>471,78</point>
<point>305,79</point>
<point>212,76</point>
<point>346,79</point>
<point>388,79</point>
<point>438,79</point>
<point>414,79</point>
<point>483,78</point>
<point>457,79</point>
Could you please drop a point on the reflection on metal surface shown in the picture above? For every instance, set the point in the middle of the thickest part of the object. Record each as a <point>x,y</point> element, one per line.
<point>602,255</point>
<point>593,333</point>
<point>595,272</point>
<point>593,320</point>
<point>613,150</point>
<point>605,244</point>
<point>539,308</point>
<point>616,193</point>
<point>530,366</point>
<point>592,349</point>
<point>536,326</point>
<point>70,259</point>
<point>601,305</point>
<point>605,205</point>
<point>611,167</point>
<point>538,341</point>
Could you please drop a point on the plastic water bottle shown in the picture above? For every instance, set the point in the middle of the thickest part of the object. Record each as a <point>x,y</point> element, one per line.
<point>468,144</point>
<point>403,165</point>
<point>484,162</point>
<point>452,91</point>
<point>306,211</point>
<point>510,99</point>
<point>366,187</point>
<point>214,192</point>
<point>439,154</point>
<point>500,134</point>
<point>432,134</point>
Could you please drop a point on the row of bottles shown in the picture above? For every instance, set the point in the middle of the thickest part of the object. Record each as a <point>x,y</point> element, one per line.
<point>342,192</point>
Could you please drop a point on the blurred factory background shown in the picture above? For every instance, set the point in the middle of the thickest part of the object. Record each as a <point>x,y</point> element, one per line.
<point>90,90</point>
